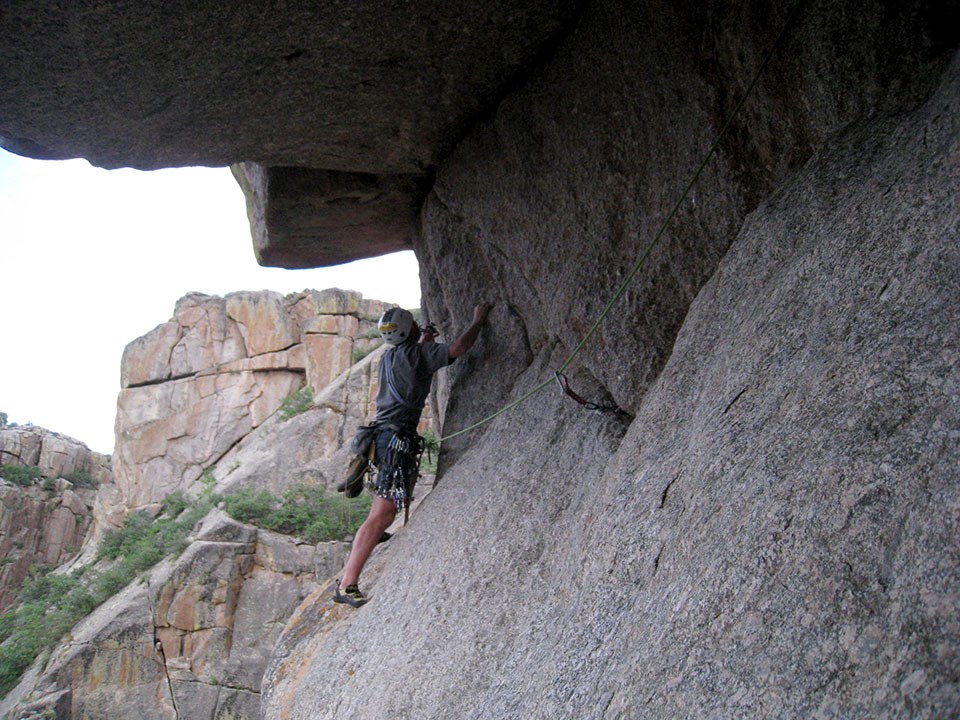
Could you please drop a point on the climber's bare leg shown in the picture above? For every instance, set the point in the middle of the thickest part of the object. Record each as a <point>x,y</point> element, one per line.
<point>382,513</point>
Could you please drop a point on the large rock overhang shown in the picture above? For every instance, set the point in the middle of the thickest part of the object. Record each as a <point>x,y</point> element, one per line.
<point>302,217</point>
<point>334,115</point>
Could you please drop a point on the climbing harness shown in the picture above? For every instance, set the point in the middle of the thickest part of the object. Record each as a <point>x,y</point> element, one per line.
<point>392,471</point>
<point>646,252</point>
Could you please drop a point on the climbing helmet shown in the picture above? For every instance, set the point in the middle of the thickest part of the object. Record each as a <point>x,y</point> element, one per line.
<point>395,325</point>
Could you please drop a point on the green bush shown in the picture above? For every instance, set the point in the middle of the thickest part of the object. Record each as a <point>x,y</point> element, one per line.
<point>14,659</point>
<point>109,582</point>
<point>431,442</point>
<point>311,513</point>
<point>82,479</point>
<point>50,606</point>
<point>143,541</point>
<point>23,475</point>
<point>175,503</point>
<point>431,452</point>
<point>136,527</point>
<point>250,507</point>
<point>296,403</point>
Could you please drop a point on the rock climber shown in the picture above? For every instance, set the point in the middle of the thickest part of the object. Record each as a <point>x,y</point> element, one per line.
<point>405,375</point>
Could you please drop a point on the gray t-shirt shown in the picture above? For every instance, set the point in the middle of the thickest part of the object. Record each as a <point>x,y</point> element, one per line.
<point>413,366</point>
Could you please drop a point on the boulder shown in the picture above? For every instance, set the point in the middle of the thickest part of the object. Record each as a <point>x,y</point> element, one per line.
<point>168,434</point>
<point>56,455</point>
<point>767,527</point>
<point>298,215</point>
<point>39,529</point>
<point>263,321</point>
<point>382,90</point>
<point>21,445</point>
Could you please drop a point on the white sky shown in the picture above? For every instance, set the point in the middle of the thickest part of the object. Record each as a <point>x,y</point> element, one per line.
<point>92,259</point>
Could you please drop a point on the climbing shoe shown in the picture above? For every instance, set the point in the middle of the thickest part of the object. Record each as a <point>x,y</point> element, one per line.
<point>353,484</point>
<point>350,595</point>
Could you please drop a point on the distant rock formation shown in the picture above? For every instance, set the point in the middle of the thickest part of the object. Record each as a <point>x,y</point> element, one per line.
<point>43,523</point>
<point>195,386</point>
<point>194,637</point>
<point>311,447</point>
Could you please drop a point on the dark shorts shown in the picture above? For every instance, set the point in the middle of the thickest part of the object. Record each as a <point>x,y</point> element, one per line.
<point>398,466</point>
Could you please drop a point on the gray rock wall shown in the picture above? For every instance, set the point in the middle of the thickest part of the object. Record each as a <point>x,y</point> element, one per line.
<point>773,530</point>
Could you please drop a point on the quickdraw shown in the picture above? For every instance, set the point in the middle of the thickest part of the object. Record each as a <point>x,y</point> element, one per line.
<point>565,386</point>
<point>399,470</point>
